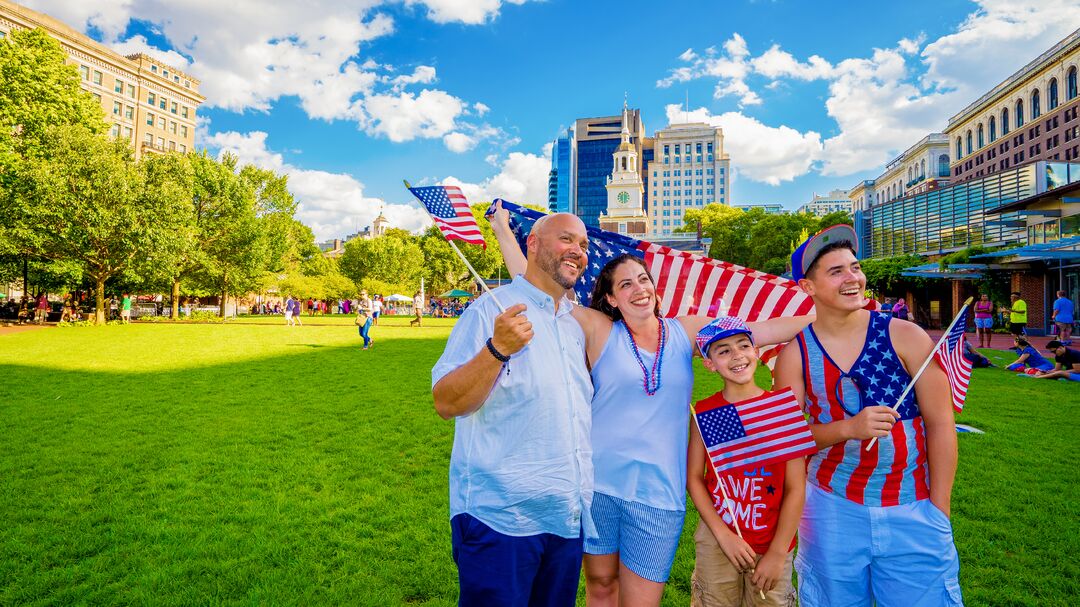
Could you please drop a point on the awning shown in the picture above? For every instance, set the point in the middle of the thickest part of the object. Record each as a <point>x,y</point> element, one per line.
<point>1053,250</point>
<point>962,271</point>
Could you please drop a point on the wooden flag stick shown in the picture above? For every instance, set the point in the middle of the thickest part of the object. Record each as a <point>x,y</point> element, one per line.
<point>926,363</point>
<point>723,492</point>
<point>468,265</point>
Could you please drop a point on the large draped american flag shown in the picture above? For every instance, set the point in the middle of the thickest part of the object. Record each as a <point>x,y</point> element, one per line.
<point>685,282</point>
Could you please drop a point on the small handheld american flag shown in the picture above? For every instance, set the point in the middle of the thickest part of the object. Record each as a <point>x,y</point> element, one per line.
<point>450,212</point>
<point>950,355</point>
<point>759,431</point>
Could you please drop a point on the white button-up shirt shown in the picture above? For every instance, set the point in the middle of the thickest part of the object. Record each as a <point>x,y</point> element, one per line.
<point>522,462</point>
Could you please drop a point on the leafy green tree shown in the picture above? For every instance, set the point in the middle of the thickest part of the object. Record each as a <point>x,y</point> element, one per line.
<point>38,89</point>
<point>883,274</point>
<point>225,248</point>
<point>93,206</point>
<point>387,258</point>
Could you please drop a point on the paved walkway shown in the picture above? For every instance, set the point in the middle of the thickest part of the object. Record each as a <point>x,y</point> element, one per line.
<point>9,329</point>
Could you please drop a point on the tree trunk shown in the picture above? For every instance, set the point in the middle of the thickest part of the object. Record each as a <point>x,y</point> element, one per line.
<point>99,307</point>
<point>174,312</point>
<point>224,294</point>
<point>25,276</point>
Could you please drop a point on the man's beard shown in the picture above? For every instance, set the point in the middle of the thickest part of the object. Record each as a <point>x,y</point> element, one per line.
<point>551,264</point>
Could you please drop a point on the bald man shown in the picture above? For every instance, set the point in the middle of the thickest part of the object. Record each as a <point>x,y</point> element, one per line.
<point>517,386</point>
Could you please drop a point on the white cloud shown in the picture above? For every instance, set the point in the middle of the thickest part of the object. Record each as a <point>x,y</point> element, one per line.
<point>249,54</point>
<point>995,41</point>
<point>884,103</point>
<point>731,68</point>
<point>406,116</point>
<point>465,11</point>
<point>331,204</point>
<point>759,152</point>
<point>522,178</point>
<point>775,63</point>
<point>138,44</point>
<point>423,74</point>
<point>459,142</point>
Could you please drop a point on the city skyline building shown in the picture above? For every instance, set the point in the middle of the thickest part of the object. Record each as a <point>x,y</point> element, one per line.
<point>688,170</point>
<point>560,178</point>
<point>625,186</point>
<point>820,206</point>
<point>1029,116</point>
<point>148,103</point>
<point>595,140</point>
<point>769,208</point>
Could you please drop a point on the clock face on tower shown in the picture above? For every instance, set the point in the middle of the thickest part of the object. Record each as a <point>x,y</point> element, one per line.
<point>623,197</point>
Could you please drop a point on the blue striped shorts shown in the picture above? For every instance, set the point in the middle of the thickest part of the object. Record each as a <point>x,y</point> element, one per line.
<point>645,537</point>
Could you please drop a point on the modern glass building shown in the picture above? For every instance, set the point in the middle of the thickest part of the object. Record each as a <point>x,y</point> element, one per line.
<point>560,186</point>
<point>595,140</point>
<point>952,218</point>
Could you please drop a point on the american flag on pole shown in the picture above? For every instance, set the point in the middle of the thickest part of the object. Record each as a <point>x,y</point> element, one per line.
<point>450,211</point>
<point>685,282</point>
<point>950,355</point>
<point>764,430</point>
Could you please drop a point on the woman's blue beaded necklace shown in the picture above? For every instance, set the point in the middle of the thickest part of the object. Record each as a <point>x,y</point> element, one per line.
<point>651,378</point>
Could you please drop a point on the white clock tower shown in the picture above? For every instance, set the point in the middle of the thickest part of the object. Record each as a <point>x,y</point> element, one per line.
<point>625,190</point>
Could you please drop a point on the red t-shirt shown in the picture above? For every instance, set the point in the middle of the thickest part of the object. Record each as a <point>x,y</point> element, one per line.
<point>756,491</point>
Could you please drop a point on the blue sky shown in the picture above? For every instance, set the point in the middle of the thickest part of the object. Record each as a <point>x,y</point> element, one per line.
<point>348,97</point>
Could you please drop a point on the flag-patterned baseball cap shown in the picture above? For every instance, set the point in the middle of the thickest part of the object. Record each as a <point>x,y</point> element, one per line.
<point>809,250</point>
<point>722,327</point>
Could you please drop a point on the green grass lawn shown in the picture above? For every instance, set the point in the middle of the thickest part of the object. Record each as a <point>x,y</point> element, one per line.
<point>260,464</point>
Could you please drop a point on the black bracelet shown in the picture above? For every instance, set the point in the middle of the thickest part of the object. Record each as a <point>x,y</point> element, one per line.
<point>498,355</point>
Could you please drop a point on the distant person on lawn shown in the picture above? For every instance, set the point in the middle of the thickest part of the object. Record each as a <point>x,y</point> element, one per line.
<point>125,308</point>
<point>1017,314</point>
<point>984,320</point>
<point>1063,317</point>
<point>1067,362</point>
<point>418,310</point>
<point>518,388</point>
<point>1029,357</point>
<point>875,527</point>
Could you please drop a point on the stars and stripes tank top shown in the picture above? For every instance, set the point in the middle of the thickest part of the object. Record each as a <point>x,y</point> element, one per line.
<point>894,471</point>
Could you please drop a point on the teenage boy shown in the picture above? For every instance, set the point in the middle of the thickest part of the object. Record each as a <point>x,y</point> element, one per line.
<point>767,500</point>
<point>875,527</point>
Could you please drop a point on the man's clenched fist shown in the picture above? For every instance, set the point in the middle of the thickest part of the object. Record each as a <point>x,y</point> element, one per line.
<point>513,331</point>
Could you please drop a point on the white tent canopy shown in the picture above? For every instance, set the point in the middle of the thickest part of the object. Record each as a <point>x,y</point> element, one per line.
<point>398,297</point>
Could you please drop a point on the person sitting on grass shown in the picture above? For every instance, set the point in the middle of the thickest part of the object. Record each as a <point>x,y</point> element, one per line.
<point>1029,357</point>
<point>1067,362</point>
<point>730,570</point>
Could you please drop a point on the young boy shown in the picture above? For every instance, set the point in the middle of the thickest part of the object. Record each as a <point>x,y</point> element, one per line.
<point>875,527</point>
<point>767,500</point>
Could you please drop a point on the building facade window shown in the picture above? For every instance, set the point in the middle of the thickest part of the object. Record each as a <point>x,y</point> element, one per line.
<point>993,129</point>
<point>1036,106</point>
<point>129,112</point>
<point>97,77</point>
<point>980,137</point>
<point>1019,113</point>
<point>1052,94</point>
<point>149,119</point>
<point>1070,84</point>
<point>117,107</point>
<point>943,165</point>
<point>1004,121</point>
<point>959,148</point>
<point>84,72</point>
<point>151,98</point>
<point>118,87</point>
<point>131,90</point>
<point>922,169</point>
